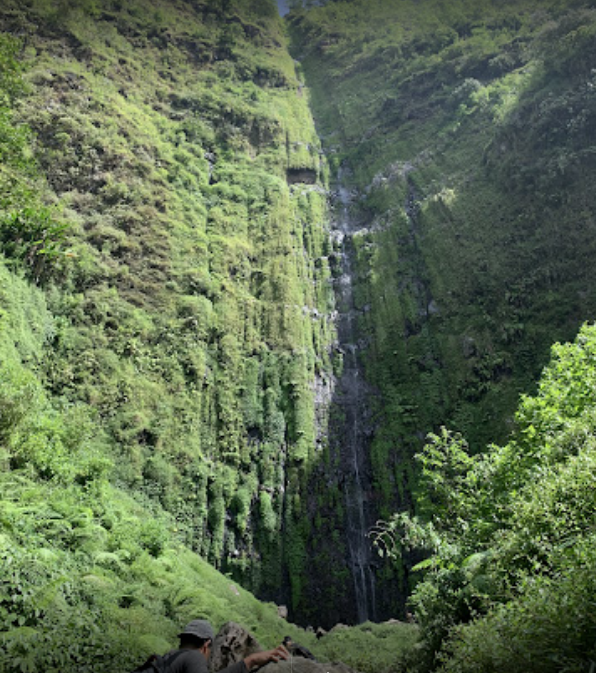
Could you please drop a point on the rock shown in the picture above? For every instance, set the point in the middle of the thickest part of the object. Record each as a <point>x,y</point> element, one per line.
<point>232,643</point>
<point>468,347</point>
<point>305,175</point>
<point>433,308</point>
<point>320,632</point>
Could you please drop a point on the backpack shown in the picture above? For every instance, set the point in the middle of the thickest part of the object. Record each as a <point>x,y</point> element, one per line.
<point>157,663</point>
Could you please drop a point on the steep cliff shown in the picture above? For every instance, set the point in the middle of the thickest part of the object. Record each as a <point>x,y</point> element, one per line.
<point>219,336</point>
<point>168,204</point>
<point>465,132</point>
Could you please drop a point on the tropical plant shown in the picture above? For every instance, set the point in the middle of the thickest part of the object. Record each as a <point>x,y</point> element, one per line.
<point>508,533</point>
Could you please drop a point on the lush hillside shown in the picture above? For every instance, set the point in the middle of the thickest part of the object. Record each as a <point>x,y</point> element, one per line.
<point>93,575</point>
<point>509,584</point>
<point>169,336</point>
<point>164,299</point>
<point>466,133</point>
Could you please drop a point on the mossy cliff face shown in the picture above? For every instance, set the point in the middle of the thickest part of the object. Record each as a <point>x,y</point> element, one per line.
<point>163,186</point>
<point>468,129</point>
<point>190,298</point>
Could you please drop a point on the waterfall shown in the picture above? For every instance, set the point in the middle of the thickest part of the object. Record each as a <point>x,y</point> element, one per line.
<point>355,432</point>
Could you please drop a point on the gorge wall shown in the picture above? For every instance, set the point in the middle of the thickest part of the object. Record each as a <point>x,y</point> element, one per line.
<point>351,440</point>
<point>176,174</point>
<point>467,130</point>
<point>240,352</point>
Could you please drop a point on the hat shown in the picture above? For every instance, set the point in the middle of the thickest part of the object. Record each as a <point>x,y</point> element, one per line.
<point>199,628</point>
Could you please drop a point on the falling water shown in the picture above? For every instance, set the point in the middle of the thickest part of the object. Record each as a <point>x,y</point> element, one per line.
<point>356,429</point>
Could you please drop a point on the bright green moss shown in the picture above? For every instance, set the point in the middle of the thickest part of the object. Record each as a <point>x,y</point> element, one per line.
<point>195,272</point>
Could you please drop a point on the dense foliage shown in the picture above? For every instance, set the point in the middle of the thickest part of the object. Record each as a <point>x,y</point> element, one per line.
<point>368,647</point>
<point>91,575</point>
<point>167,324</point>
<point>509,583</point>
<point>467,131</point>
<point>154,186</point>
<point>164,315</point>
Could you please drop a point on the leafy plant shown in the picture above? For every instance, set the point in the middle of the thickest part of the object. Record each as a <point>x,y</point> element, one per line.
<point>508,533</point>
<point>35,238</point>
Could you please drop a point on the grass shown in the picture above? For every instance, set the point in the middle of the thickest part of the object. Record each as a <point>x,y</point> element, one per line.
<point>370,647</point>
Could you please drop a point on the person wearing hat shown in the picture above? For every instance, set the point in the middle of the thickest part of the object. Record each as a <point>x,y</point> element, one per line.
<point>195,647</point>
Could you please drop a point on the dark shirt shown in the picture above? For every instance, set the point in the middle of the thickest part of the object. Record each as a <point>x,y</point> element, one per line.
<point>193,661</point>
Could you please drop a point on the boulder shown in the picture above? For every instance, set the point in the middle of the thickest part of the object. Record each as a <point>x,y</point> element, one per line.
<point>320,632</point>
<point>232,643</point>
<point>297,650</point>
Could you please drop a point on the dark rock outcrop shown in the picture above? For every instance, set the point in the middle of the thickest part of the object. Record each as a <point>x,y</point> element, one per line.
<point>306,176</point>
<point>297,650</point>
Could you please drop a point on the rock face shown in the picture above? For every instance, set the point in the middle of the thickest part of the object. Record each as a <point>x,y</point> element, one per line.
<point>350,440</point>
<point>306,176</point>
<point>233,643</point>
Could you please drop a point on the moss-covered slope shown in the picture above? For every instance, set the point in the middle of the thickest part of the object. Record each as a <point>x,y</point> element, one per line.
<point>167,201</point>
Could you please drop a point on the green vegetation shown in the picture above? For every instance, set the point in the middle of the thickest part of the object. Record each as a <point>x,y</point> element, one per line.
<point>164,312</point>
<point>468,132</point>
<point>370,647</point>
<point>509,583</point>
<point>30,234</point>
<point>90,572</point>
<point>166,326</point>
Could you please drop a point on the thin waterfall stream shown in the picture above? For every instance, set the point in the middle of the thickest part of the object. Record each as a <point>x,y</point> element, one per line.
<point>355,432</point>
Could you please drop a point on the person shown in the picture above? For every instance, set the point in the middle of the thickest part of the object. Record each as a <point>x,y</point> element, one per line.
<point>195,648</point>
